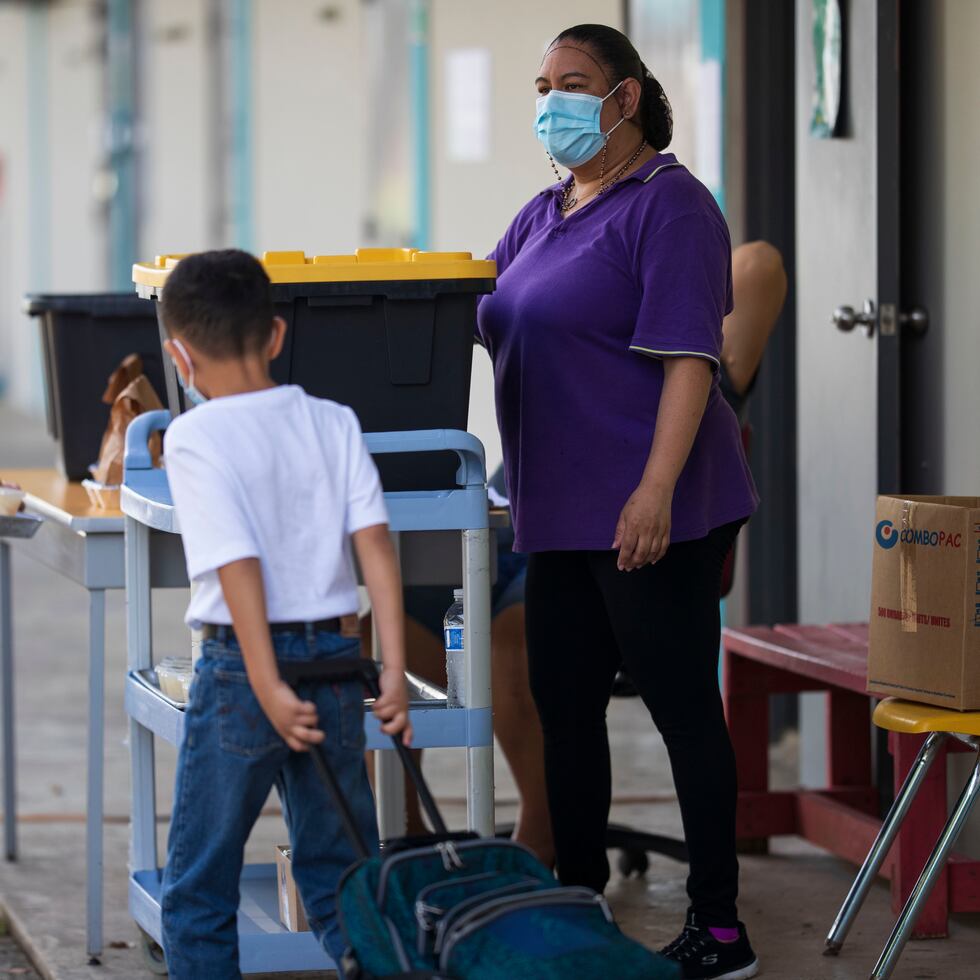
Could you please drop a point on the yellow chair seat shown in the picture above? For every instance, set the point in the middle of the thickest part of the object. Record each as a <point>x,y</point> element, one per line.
<point>914,718</point>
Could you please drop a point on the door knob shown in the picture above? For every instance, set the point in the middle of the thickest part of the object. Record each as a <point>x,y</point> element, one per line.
<point>846,319</point>
<point>915,320</point>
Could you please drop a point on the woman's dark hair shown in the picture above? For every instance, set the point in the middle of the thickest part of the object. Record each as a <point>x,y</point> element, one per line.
<point>615,52</point>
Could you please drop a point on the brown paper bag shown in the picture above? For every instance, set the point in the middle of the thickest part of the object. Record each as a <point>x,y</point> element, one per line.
<point>130,368</point>
<point>137,396</point>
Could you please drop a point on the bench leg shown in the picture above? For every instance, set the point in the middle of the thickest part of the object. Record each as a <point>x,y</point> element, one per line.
<point>883,842</point>
<point>931,873</point>
<point>922,827</point>
<point>747,713</point>
<point>848,739</point>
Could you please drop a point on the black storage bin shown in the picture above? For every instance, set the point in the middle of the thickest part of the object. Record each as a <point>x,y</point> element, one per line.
<point>84,338</point>
<point>397,348</point>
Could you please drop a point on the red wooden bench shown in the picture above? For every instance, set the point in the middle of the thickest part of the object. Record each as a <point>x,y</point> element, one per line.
<point>842,817</point>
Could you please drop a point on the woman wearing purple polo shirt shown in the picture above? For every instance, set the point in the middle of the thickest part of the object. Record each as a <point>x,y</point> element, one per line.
<point>624,465</point>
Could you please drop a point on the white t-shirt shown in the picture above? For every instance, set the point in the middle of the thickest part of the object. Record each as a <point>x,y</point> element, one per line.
<point>279,476</point>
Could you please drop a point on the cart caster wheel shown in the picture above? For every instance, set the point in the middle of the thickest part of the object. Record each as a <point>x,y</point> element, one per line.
<point>633,862</point>
<point>152,952</point>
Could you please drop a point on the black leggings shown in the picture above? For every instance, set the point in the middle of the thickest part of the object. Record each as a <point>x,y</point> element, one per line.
<point>585,619</point>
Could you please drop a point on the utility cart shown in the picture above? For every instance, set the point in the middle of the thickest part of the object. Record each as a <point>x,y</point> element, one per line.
<point>424,524</point>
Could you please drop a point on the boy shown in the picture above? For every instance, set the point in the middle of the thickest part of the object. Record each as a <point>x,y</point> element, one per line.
<point>271,487</point>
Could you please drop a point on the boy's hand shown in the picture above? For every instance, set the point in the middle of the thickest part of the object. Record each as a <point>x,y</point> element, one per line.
<point>294,720</point>
<point>391,708</point>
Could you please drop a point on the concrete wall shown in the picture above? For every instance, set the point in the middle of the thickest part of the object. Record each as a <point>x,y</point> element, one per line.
<point>473,201</point>
<point>948,243</point>
<point>309,126</point>
<point>942,241</point>
<point>15,337</point>
<point>175,185</point>
<point>50,150</point>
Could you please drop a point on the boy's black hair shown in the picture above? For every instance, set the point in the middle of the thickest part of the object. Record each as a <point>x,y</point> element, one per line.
<point>220,301</point>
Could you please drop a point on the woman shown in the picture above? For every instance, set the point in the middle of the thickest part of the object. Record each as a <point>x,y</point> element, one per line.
<point>624,467</point>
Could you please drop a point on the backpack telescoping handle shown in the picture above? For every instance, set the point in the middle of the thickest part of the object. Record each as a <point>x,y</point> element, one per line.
<point>366,671</point>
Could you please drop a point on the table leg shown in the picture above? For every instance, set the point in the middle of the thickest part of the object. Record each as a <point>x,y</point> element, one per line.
<point>96,758</point>
<point>139,646</point>
<point>7,684</point>
<point>918,835</point>
<point>479,758</point>
<point>389,779</point>
<point>389,791</point>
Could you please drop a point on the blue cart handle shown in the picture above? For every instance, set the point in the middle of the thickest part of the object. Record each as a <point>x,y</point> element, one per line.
<point>469,449</point>
<point>472,470</point>
<point>137,456</point>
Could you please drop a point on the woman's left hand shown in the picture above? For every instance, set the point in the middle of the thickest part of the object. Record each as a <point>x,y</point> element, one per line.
<point>643,529</point>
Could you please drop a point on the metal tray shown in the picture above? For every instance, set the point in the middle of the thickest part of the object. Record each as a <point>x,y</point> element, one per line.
<point>421,694</point>
<point>19,525</point>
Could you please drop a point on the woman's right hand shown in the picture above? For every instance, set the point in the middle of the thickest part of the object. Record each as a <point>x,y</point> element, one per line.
<point>643,528</point>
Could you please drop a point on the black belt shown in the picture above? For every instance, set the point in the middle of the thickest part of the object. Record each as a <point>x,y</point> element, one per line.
<point>209,631</point>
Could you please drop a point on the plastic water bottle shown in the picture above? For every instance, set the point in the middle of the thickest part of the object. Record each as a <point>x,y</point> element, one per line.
<point>452,631</point>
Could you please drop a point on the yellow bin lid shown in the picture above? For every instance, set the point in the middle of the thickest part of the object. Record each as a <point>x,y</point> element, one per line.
<point>365,265</point>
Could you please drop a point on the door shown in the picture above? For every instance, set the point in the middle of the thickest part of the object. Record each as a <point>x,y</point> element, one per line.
<point>847,379</point>
<point>847,257</point>
<point>850,328</point>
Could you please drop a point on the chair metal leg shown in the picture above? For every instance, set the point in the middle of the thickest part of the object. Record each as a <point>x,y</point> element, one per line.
<point>883,842</point>
<point>934,866</point>
<point>7,728</point>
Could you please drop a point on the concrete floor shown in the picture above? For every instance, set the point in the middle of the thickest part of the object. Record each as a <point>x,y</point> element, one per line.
<point>788,898</point>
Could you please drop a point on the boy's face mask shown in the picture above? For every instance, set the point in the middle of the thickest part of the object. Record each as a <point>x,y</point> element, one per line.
<point>567,123</point>
<point>194,395</point>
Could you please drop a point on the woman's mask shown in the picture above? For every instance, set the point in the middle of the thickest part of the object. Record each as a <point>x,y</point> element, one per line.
<point>567,123</point>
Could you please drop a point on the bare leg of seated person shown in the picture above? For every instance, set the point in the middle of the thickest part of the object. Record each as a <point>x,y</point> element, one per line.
<point>515,722</point>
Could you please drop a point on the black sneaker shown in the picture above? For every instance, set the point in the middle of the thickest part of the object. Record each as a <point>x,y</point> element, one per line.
<point>702,957</point>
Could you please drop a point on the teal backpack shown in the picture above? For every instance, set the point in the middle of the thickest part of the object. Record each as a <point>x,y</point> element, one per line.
<point>460,907</point>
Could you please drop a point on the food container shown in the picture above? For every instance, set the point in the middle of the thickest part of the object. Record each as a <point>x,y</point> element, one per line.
<point>103,495</point>
<point>10,500</point>
<point>175,675</point>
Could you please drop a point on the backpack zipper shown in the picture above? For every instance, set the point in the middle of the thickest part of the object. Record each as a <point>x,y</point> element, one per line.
<point>423,909</point>
<point>433,850</point>
<point>463,908</point>
<point>480,917</point>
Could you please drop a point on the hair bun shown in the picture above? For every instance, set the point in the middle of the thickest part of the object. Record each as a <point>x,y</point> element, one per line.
<point>656,116</point>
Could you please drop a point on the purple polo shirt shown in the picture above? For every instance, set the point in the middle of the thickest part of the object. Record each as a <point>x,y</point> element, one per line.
<point>584,311</point>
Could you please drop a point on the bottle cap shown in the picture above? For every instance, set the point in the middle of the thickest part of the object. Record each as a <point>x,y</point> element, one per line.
<point>458,594</point>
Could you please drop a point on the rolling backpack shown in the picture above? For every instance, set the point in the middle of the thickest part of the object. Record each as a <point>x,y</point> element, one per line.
<point>461,907</point>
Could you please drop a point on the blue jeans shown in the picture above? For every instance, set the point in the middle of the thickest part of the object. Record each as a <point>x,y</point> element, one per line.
<point>230,758</point>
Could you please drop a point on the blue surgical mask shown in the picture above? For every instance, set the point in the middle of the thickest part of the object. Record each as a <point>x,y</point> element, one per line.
<point>567,123</point>
<point>194,395</point>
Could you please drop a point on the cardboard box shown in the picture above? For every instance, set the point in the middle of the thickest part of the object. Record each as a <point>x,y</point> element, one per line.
<point>925,601</point>
<point>291,912</point>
